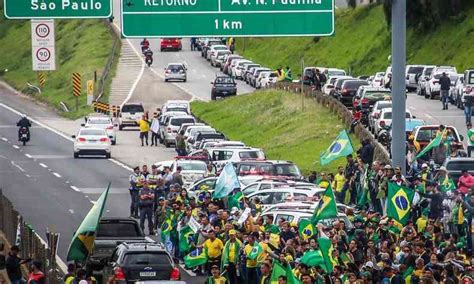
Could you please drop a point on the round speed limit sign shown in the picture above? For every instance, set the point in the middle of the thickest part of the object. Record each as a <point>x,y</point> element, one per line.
<point>42,30</point>
<point>43,54</point>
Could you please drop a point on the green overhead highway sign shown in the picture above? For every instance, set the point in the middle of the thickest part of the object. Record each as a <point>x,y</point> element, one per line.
<point>57,9</point>
<point>199,18</point>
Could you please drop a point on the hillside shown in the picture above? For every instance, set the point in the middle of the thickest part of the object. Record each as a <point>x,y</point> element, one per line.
<point>273,121</point>
<point>362,44</point>
<point>82,46</point>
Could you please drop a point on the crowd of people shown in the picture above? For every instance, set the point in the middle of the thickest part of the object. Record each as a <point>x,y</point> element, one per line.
<point>433,246</point>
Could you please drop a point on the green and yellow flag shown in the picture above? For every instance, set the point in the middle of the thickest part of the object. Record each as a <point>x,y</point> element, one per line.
<point>447,185</point>
<point>185,238</point>
<point>256,251</point>
<point>399,201</point>
<point>236,200</point>
<point>306,229</point>
<point>195,258</point>
<point>340,147</point>
<point>277,271</point>
<point>166,228</point>
<point>433,144</point>
<point>326,247</point>
<point>82,242</point>
<point>326,208</point>
<point>313,258</point>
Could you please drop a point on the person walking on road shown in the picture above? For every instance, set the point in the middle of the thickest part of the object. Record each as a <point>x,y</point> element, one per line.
<point>468,98</point>
<point>155,125</point>
<point>134,191</point>
<point>177,177</point>
<point>180,144</point>
<point>147,199</point>
<point>445,83</point>
<point>144,128</point>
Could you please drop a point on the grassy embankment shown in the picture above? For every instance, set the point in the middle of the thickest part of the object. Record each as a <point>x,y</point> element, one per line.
<point>274,121</point>
<point>362,44</point>
<point>82,46</point>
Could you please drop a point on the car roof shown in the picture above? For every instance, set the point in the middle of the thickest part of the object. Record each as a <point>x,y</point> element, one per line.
<point>289,189</point>
<point>182,116</point>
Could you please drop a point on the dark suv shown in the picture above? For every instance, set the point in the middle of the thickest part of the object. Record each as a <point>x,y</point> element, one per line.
<point>131,263</point>
<point>223,86</point>
<point>348,91</point>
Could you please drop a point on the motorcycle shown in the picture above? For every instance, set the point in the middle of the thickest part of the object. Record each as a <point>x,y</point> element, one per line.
<point>384,136</point>
<point>24,135</point>
<point>364,119</point>
<point>148,60</point>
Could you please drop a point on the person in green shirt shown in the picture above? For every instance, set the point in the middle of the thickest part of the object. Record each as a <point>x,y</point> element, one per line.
<point>269,226</point>
<point>470,139</point>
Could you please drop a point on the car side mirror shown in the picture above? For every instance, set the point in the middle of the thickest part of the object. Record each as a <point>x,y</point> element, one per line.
<point>82,124</point>
<point>73,136</point>
<point>212,83</point>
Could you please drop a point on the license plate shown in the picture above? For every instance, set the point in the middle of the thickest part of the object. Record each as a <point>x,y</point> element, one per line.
<point>169,46</point>
<point>148,274</point>
<point>92,141</point>
<point>24,135</point>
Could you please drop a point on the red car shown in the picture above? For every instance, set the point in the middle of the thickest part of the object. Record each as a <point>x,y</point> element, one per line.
<point>171,44</point>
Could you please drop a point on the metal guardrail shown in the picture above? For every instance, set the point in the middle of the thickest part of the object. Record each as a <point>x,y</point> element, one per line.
<point>108,66</point>
<point>31,245</point>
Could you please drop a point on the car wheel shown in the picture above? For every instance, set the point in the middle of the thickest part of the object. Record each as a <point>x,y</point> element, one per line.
<point>114,142</point>
<point>161,49</point>
<point>184,80</point>
<point>76,155</point>
<point>120,126</point>
<point>108,155</point>
<point>166,80</point>
<point>213,97</point>
<point>167,145</point>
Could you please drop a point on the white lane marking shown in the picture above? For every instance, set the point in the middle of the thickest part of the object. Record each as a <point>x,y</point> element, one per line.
<point>4,139</point>
<point>27,175</point>
<point>48,128</point>
<point>118,163</point>
<point>28,156</point>
<point>429,116</point>
<point>71,211</point>
<point>93,202</point>
<point>3,157</point>
<point>187,271</point>
<point>57,175</point>
<point>16,147</point>
<point>17,166</point>
<point>43,165</point>
<point>75,188</point>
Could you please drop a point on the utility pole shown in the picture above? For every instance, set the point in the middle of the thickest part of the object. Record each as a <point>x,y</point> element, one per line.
<point>302,84</point>
<point>398,83</point>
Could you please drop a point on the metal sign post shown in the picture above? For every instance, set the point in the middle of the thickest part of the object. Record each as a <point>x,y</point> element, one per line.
<point>398,83</point>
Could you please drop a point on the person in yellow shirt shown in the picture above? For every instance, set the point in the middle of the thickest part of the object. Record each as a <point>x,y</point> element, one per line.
<point>251,264</point>
<point>230,255</point>
<point>144,125</point>
<point>216,277</point>
<point>338,183</point>
<point>214,248</point>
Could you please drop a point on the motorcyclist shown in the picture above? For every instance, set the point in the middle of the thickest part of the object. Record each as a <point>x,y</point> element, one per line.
<point>148,55</point>
<point>24,122</point>
<point>145,44</point>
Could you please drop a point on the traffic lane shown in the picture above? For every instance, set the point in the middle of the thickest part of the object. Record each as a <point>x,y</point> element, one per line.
<point>43,200</point>
<point>431,112</point>
<point>200,72</point>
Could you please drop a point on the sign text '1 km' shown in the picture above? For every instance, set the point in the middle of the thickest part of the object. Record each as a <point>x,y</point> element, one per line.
<point>201,18</point>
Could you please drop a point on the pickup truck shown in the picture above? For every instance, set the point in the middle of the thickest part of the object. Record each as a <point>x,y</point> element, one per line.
<point>113,231</point>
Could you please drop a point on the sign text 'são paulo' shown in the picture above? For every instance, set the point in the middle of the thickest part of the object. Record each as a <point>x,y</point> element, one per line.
<point>179,18</point>
<point>56,9</point>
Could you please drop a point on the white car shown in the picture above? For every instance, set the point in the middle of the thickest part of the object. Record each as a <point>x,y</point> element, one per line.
<point>272,196</point>
<point>191,132</point>
<point>268,79</point>
<point>457,91</point>
<point>175,72</point>
<point>378,78</point>
<point>191,170</point>
<point>220,156</point>
<point>164,119</point>
<point>331,72</point>
<point>433,88</point>
<point>172,126</point>
<point>295,217</point>
<point>172,105</point>
<point>258,82</point>
<point>375,113</point>
<point>92,141</point>
<point>218,59</point>
<point>305,205</point>
<point>212,51</point>
<point>185,126</point>
<point>130,114</point>
<point>423,79</point>
<point>269,184</point>
<point>385,119</point>
<point>237,67</point>
<point>103,122</point>
<point>412,73</point>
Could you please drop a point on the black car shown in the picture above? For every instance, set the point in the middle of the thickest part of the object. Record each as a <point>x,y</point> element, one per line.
<point>223,86</point>
<point>133,262</point>
<point>348,91</point>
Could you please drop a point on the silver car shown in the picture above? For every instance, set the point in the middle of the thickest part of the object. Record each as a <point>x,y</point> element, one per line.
<point>176,72</point>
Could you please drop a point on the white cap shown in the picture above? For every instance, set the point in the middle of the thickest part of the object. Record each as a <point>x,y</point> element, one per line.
<point>83,282</point>
<point>234,210</point>
<point>425,165</point>
<point>369,264</point>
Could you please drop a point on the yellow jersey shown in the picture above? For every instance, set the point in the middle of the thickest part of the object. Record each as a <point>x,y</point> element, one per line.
<point>338,183</point>
<point>214,248</point>
<point>144,125</point>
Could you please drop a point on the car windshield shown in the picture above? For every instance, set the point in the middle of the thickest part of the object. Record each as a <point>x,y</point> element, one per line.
<point>287,170</point>
<point>193,131</point>
<point>470,78</point>
<point>272,75</point>
<point>99,121</point>
<point>415,69</point>
<point>388,115</point>
<point>383,105</point>
<point>92,132</point>
<point>223,52</point>
<point>177,121</point>
<point>178,109</point>
<point>250,155</point>
<point>257,169</point>
<point>375,95</point>
<point>224,80</point>
<point>132,108</point>
<point>437,76</point>
<point>336,73</point>
<point>428,71</point>
<point>175,67</point>
<point>355,84</point>
<point>117,230</point>
<point>147,258</point>
<point>427,134</point>
<point>460,165</point>
<point>193,166</point>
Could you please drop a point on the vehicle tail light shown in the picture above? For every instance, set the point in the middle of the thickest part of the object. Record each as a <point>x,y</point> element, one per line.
<point>365,101</point>
<point>355,103</point>
<point>175,275</point>
<point>305,78</point>
<point>110,128</point>
<point>382,123</point>
<point>168,130</point>
<point>82,139</point>
<point>435,82</point>
<point>104,139</point>
<point>119,274</point>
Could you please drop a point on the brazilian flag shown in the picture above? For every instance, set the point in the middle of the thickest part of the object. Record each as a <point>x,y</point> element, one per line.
<point>185,238</point>
<point>399,200</point>
<point>195,258</point>
<point>236,200</point>
<point>256,251</point>
<point>313,258</point>
<point>306,229</point>
<point>326,247</point>
<point>82,242</point>
<point>447,185</point>
<point>326,208</point>
<point>166,228</point>
<point>277,270</point>
<point>340,147</point>
<point>433,144</point>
